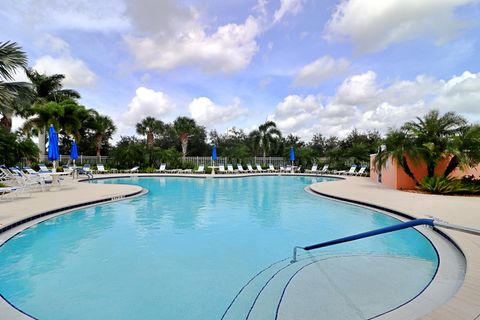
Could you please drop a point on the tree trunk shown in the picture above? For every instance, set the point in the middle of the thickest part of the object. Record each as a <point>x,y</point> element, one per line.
<point>150,139</point>
<point>41,143</point>
<point>6,121</point>
<point>184,141</point>
<point>98,145</point>
<point>406,168</point>
<point>452,165</point>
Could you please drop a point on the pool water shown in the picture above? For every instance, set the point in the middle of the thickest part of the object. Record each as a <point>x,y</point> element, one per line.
<point>186,248</point>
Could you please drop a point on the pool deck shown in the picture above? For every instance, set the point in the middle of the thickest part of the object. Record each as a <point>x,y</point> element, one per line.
<point>465,304</point>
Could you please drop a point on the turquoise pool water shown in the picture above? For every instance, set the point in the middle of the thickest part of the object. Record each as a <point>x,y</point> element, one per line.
<point>184,250</point>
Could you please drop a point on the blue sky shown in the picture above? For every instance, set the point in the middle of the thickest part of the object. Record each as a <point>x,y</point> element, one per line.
<point>312,66</point>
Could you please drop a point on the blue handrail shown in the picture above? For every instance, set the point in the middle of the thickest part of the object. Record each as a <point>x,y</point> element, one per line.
<point>400,226</point>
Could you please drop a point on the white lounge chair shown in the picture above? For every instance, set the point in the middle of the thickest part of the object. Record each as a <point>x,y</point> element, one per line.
<point>20,179</point>
<point>250,169</point>
<point>101,168</point>
<point>324,169</point>
<point>282,169</point>
<point>313,170</point>
<point>240,168</point>
<point>43,168</point>
<point>133,170</point>
<point>361,171</point>
<point>259,168</point>
<point>271,168</point>
<point>352,170</point>
<point>162,168</point>
<point>201,169</point>
<point>230,168</point>
<point>221,168</point>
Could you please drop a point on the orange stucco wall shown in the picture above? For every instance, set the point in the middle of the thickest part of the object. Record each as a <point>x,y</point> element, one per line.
<point>393,175</point>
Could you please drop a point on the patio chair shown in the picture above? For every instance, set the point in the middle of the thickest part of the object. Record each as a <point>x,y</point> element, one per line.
<point>230,168</point>
<point>259,168</point>
<point>250,169</point>
<point>201,169</point>
<point>133,170</point>
<point>43,168</point>
<point>20,179</point>
<point>361,171</point>
<point>221,168</point>
<point>352,170</point>
<point>281,169</point>
<point>271,168</point>
<point>324,169</point>
<point>240,168</point>
<point>288,169</point>
<point>162,168</point>
<point>313,170</point>
<point>101,169</point>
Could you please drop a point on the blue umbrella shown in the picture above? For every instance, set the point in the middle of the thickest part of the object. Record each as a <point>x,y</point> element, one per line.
<point>74,152</point>
<point>292,156</point>
<point>214,153</point>
<point>53,153</point>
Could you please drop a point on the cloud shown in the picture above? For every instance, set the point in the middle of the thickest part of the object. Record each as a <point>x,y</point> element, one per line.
<point>320,70</point>
<point>77,73</point>
<point>205,112</point>
<point>286,7</point>
<point>87,15</point>
<point>373,25</point>
<point>363,103</point>
<point>53,44</point>
<point>147,102</point>
<point>174,36</point>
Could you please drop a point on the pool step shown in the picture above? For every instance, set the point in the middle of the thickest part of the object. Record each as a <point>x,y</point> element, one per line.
<point>259,298</point>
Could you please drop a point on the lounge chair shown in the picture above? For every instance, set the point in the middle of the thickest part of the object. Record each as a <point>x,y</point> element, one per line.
<point>133,170</point>
<point>230,168</point>
<point>101,168</point>
<point>221,168</point>
<point>361,171</point>
<point>352,170</point>
<point>288,169</point>
<point>240,168</point>
<point>20,179</point>
<point>271,168</point>
<point>162,168</point>
<point>282,169</point>
<point>259,168</point>
<point>250,169</point>
<point>43,168</point>
<point>313,170</point>
<point>201,169</point>
<point>297,168</point>
<point>324,169</point>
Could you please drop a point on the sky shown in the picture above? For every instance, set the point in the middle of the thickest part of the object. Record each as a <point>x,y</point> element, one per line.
<point>311,66</point>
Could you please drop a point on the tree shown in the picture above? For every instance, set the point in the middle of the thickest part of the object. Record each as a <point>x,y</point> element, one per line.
<point>103,128</point>
<point>265,137</point>
<point>186,128</point>
<point>48,89</point>
<point>431,139</point>
<point>12,94</point>
<point>150,127</point>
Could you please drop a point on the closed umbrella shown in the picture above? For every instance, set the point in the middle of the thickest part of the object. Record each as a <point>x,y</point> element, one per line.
<point>74,152</point>
<point>214,157</point>
<point>53,154</point>
<point>292,156</point>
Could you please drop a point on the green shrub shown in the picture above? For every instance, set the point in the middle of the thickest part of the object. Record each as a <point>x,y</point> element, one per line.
<point>443,185</point>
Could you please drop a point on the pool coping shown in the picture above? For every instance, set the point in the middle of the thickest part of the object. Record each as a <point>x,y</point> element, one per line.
<point>64,209</point>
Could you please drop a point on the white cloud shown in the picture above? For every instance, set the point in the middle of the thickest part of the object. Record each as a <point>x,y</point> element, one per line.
<point>316,72</point>
<point>54,44</point>
<point>287,6</point>
<point>77,73</point>
<point>205,112</point>
<point>147,102</point>
<point>373,25</point>
<point>173,36</point>
<point>363,103</point>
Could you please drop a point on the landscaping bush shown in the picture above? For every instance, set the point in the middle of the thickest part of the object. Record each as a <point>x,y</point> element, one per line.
<point>443,185</point>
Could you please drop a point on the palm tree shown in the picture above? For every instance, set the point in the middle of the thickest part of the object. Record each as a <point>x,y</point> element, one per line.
<point>48,89</point>
<point>150,127</point>
<point>431,139</point>
<point>185,128</point>
<point>103,128</point>
<point>265,136</point>
<point>13,95</point>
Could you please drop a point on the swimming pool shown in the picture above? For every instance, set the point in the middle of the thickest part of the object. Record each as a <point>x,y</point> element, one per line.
<point>187,248</point>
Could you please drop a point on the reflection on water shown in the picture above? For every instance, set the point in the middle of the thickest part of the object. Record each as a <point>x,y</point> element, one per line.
<point>188,244</point>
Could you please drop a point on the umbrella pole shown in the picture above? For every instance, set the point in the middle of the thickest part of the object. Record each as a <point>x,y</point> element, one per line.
<point>54,166</point>
<point>293,171</point>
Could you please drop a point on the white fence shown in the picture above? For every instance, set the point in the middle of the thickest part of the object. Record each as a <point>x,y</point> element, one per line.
<point>264,161</point>
<point>81,159</point>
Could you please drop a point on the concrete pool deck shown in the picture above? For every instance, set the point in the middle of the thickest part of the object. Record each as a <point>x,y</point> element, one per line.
<point>465,304</point>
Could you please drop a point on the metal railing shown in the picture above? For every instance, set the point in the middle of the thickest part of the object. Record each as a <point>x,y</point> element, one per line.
<point>400,226</point>
<point>65,159</point>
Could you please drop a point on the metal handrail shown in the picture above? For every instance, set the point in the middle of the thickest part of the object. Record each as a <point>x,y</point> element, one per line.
<point>400,226</point>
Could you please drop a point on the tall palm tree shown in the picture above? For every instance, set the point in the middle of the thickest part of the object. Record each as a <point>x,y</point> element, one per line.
<point>12,94</point>
<point>265,136</point>
<point>44,115</point>
<point>103,128</point>
<point>150,127</point>
<point>431,139</point>
<point>48,89</point>
<point>185,128</point>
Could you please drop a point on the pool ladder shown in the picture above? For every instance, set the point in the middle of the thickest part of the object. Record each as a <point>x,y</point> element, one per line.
<point>404,225</point>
